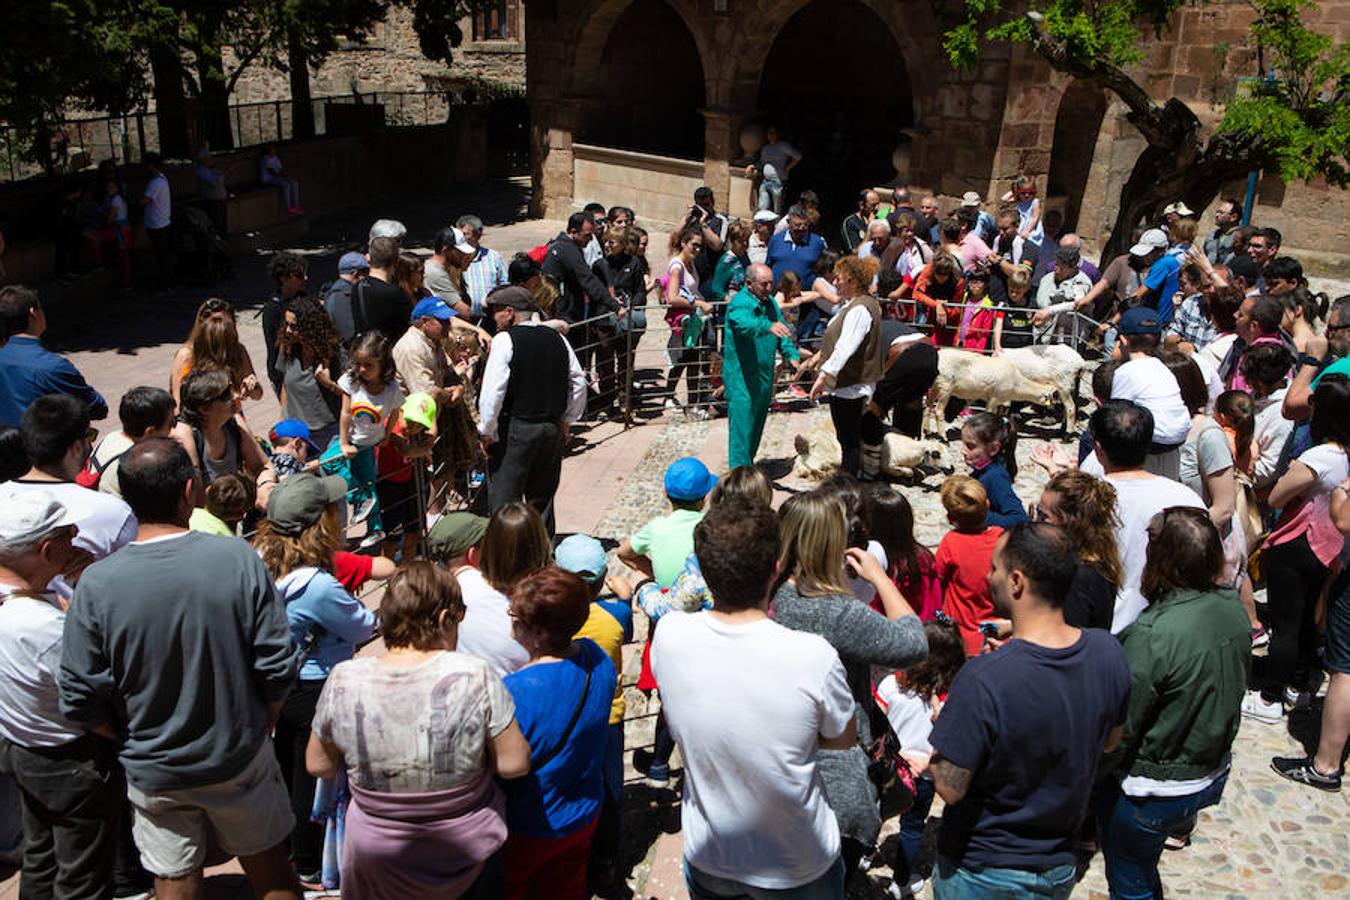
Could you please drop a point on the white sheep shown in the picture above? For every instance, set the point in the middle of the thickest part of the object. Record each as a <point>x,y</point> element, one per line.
<point>818,452</point>
<point>901,455</point>
<point>991,380</point>
<point>1057,364</point>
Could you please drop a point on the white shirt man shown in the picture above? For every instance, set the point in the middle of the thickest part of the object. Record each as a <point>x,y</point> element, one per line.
<point>1122,431</point>
<point>750,703</point>
<point>158,205</point>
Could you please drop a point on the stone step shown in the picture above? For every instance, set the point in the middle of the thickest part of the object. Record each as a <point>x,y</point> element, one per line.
<point>277,234</point>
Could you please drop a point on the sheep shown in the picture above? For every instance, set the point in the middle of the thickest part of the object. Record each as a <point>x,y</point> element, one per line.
<point>1057,364</point>
<point>901,455</point>
<point>992,380</point>
<point>818,452</point>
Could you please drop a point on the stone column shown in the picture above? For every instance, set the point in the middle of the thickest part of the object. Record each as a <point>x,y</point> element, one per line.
<point>553,122</point>
<point>721,146</point>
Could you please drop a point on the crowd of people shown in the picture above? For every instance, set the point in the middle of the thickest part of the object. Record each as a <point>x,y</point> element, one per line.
<point>183,607</point>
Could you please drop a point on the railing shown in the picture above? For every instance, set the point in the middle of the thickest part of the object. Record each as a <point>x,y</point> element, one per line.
<point>698,365</point>
<point>79,143</point>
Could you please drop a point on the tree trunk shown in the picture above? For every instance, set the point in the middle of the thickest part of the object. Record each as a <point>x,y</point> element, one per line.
<point>213,113</point>
<point>1176,165</point>
<point>170,103</point>
<point>302,105</point>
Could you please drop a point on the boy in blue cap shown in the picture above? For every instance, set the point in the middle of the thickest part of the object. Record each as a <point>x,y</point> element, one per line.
<point>291,447</point>
<point>659,549</point>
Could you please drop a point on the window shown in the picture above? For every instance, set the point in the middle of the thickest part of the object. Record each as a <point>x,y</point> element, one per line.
<point>490,23</point>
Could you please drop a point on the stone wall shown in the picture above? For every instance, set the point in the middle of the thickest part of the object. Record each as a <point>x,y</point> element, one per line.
<point>391,60</point>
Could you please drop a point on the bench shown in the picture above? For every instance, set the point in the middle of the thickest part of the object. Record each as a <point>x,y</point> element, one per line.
<point>253,209</point>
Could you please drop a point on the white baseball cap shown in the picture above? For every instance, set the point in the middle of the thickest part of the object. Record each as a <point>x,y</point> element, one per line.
<point>1179,208</point>
<point>1150,240</point>
<point>970,198</point>
<point>462,243</point>
<point>31,516</point>
<point>766,215</point>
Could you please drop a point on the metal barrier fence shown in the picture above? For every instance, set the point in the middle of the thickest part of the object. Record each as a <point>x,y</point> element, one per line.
<point>698,363</point>
<point>82,142</point>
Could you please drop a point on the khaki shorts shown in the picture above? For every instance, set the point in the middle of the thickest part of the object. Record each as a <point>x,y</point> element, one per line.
<point>244,816</point>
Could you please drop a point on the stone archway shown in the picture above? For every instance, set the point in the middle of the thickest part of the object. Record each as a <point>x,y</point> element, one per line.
<point>638,93</point>
<point>1077,124</point>
<point>836,84</point>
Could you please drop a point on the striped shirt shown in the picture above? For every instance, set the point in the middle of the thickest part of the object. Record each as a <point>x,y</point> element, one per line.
<point>487,270</point>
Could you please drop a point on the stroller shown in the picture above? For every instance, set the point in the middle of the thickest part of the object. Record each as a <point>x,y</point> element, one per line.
<point>203,254</point>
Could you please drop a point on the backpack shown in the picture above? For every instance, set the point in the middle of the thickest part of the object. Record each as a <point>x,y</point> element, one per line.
<point>93,470</point>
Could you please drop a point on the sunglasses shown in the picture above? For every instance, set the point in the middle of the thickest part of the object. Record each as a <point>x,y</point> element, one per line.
<point>227,394</point>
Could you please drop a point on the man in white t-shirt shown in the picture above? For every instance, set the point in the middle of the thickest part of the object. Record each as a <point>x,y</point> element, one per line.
<point>777,159</point>
<point>485,631</point>
<point>158,203</point>
<point>55,437</point>
<point>750,703</point>
<point>1144,379</point>
<point>1121,433</point>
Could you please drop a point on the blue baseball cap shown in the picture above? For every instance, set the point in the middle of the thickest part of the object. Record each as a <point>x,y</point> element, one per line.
<point>352,262</point>
<point>1139,320</point>
<point>292,428</point>
<point>432,308</point>
<point>688,479</point>
<point>582,555</point>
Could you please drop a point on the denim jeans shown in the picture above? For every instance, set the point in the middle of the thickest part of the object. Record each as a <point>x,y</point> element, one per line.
<point>912,825</point>
<point>703,886</point>
<point>1132,831</point>
<point>771,194</point>
<point>951,882</point>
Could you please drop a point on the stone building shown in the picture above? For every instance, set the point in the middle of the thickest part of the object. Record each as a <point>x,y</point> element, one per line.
<point>389,59</point>
<point>639,101</point>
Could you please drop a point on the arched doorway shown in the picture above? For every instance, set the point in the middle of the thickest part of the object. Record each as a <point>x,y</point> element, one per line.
<point>836,85</point>
<point>649,86</point>
<point>1077,124</point>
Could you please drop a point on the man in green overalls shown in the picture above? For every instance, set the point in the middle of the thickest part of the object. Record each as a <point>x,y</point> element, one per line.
<point>754,333</point>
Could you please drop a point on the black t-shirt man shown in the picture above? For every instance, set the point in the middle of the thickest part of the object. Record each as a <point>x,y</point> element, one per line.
<point>380,305</point>
<point>1030,723</point>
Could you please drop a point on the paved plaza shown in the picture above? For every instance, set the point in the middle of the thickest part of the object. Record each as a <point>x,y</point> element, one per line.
<point>1268,837</point>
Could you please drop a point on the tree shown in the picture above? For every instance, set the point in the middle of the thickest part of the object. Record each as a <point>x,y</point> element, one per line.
<point>1294,122</point>
<point>64,53</point>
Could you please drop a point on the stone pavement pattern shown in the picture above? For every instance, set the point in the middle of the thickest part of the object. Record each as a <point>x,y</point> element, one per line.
<point>1268,836</point>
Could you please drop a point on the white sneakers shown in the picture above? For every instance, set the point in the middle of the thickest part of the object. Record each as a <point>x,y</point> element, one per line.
<point>1255,707</point>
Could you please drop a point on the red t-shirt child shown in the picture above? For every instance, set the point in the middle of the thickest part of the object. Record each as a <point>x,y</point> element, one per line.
<point>963,563</point>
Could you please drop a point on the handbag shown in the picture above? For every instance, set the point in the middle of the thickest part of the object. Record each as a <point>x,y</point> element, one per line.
<point>889,770</point>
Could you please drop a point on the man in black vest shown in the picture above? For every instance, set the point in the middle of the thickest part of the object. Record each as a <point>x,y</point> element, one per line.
<point>525,410</point>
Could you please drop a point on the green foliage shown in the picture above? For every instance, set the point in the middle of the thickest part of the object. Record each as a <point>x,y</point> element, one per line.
<point>1300,115</point>
<point>1091,32</point>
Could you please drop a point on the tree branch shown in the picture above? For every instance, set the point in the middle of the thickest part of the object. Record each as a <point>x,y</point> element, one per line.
<point>1144,114</point>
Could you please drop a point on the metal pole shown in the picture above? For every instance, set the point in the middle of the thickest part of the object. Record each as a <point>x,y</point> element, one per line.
<point>112,146</point>
<point>238,129</point>
<point>140,130</point>
<point>276,106</point>
<point>420,495</point>
<point>628,366</point>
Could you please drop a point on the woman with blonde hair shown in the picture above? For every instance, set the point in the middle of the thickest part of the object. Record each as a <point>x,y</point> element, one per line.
<point>214,344</point>
<point>851,359</point>
<point>421,732</point>
<point>815,597</point>
<point>296,542</point>
<point>1085,507</point>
